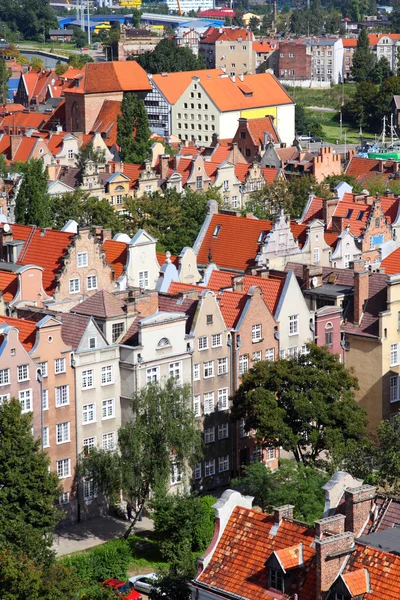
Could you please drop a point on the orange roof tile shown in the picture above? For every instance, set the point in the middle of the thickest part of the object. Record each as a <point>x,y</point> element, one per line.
<point>257,128</point>
<point>261,47</point>
<point>133,172</point>
<point>383,569</point>
<point>8,285</point>
<point>224,247</point>
<point>237,565</point>
<point>24,120</point>
<point>331,238</point>
<point>241,170</point>
<point>270,174</point>
<point>231,305</point>
<point>349,43</point>
<point>314,210</point>
<point>172,85</point>
<point>391,263</point>
<point>290,558</point>
<point>222,151</point>
<point>25,149</point>
<point>161,257</point>
<point>214,34</point>
<point>220,280</point>
<point>176,287</point>
<point>256,91</point>
<point>357,582</point>
<point>116,255</point>
<point>364,169</point>
<point>117,76</point>
<point>106,122</point>
<point>43,247</point>
<point>27,330</point>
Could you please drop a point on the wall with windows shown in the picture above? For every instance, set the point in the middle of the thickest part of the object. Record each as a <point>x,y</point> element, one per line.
<point>142,265</point>
<point>196,117</point>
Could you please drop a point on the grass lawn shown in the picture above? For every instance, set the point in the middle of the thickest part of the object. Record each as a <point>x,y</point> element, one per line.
<point>146,557</point>
<point>331,126</point>
<point>328,98</point>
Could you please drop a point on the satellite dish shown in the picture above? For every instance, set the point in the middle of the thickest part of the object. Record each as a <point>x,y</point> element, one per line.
<point>314,282</point>
<point>6,227</point>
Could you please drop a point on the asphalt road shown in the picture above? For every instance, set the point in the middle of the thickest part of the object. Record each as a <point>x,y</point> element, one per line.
<point>339,148</point>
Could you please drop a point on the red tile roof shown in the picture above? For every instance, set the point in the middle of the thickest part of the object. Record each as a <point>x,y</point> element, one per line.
<point>43,247</point>
<point>161,257</point>
<point>24,120</point>
<point>349,43</point>
<point>270,174</point>
<point>101,304</point>
<point>365,169</point>
<point>356,214</point>
<point>314,210</point>
<point>133,172</point>
<point>116,255</point>
<point>117,76</point>
<point>356,582</point>
<point>176,286</point>
<point>106,122</point>
<point>391,263</point>
<point>257,128</point>
<point>290,558</point>
<point>237,565</point>
<point>27,330</point>
<point>224,247</point>
<point>383,569</point>
<point>261,47</point>
<point>231,305</point>
<point>8,285</point>
<point>214,34</point>
<point>172,85</point>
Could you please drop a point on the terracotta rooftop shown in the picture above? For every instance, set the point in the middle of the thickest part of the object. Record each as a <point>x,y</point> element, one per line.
<point>73,328</point>
<point>106,122</point>
<point>102,304</point>
<point>172,85</point>
<point>8,285</point>
<point>231,305</point>
<point>365,169</point>
<point>116,255</point>
<point>391,263</point>
<point>27,330</point>
<point>290,558</point>
<point>314,210</point>
<point>214,35</point>
<point>116,76</point>
<point>257,128</point>
<point>261,47</point>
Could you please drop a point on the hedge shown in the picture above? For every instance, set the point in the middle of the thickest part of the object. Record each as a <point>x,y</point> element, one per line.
<point>101,563</point>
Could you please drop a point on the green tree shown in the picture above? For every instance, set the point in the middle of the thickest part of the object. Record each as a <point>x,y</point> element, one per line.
<point>395,20</point>
<point>292,483</point>
<point>163,426</point>
<point>37,63</point>
<point>181,518</point>
<point>78,61</point>
<point>4,76</point>
<point>133,132</point>
<point>3,166</point>
<point>61,68</point>
<point>305,404</point>
<point>86,154</point>
<point>305,124</point>
<point>167,57</point>
<point>388,455</point>
<point>28,490</point>
<point>33,202</point>
<point>363,58</point>
<point>79,38</point>
<point>173,581</point>
<point>254,24</point>
<point>99,212</point>
<point>381,71</point>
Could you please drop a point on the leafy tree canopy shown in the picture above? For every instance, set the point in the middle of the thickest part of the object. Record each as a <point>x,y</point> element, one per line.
<point>164,425</point>
<point>84,209</point>
<point>363,58</point>
<point>167,57</point>
<point>305,404</point>
<point>33,202</point>
<point>133,131</point>
<point>292,483</point>
<point>28,17</point>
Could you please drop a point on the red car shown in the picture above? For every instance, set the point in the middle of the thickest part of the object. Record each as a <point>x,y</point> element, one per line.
<point>123,589</point>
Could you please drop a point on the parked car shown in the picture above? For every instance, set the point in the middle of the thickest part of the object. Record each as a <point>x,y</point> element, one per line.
<point>316,139</point>
<point>144,583</point>
<point>123,589</point>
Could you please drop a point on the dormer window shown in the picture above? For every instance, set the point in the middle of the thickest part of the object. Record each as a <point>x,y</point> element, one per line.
<point>276,580</point>
<point>217,230</point>
<point>261,236</point>
<point>163,342</point>
<point>349,213</point>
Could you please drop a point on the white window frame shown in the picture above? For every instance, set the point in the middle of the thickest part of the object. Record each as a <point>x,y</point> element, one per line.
<point>63,432</point>
<point>4,377</point>
<point>209,435</point>
<point>64,498</point>
<point>270,354</point>
<point>108,441</point>
<point>175,370</point>
<point>60,366</point>
<point>209,467</point>
<point>316,255</point>
<point>74,285</point>
<point>202,343</point>
<point>25,398</point>
<point>197,405</point>
<point>176,474</point>
<point>22,373</point>
<point>216,340</point>
<point>256,333</point>
<point>87,379</point>
<point>152,374</point>
<point>256,357</point>
<point>89,442</point>
<point>209,403</point>
<point>107,375</point>
<point>223,399</point>
<point>143,279</point>
<point>114,330</point>
<point>63,465</point>
<point>394,355</point>
<point>4,398</point>
<point>223,431</point>
<point>82,259</point>
<point>197,471</point>
<point>87,411</point>
<point>208,369</point>
<point>270,453</point>
<point>46,437</point>
<point>222,366</point>
<point>89,490</point>
<point>394,389</point>
<point>223,463</point>
<point>92,343</point>
<point>108,409</point>
<point>45,399</point>
<point>196,372</point>
<point>61,398</point>
<point>243,364</point>
<point>90,284</point>
<point>43,366</point>
<point>294,324</point>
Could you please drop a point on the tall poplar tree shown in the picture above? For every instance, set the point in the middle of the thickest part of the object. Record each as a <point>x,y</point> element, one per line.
<point>133,132</point>
<point>363,59</point>
<point>33,202</point>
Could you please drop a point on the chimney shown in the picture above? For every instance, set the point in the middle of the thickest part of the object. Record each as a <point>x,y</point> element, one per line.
<point>15,141</point>
<point>337,224</point>
<point>358,503</point>
<point>332,552</point>
<point>361,289</point>
<point>146,303</point>
<point>312,276</point>
<point>238,284</point>
<point>328,208</point>
<point>164,162</point>
<point>380,166</point>
<point>334,525</point>
<point>283,512</point>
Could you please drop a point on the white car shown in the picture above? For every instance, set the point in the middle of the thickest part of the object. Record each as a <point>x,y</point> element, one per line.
<point>144,583</point>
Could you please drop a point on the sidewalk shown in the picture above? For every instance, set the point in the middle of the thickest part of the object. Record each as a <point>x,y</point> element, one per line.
<point>92,533</point>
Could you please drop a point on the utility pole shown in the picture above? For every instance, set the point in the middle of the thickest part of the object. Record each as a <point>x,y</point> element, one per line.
<point>88,23</point>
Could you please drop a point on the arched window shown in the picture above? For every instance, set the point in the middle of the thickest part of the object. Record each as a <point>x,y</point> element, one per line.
<point>329,325</point>
<point>119,188</point>
<point>328,334</point>
<point>163,342</point>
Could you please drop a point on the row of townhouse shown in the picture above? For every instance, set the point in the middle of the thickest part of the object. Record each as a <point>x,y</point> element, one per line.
<point>381,44</point>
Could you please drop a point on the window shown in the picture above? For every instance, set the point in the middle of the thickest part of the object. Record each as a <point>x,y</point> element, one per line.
<point>91,282</point>
<point>223,399</point>
<point>64,468</point>
<point>45,437</point>
<point>108,408</point>
<point>394,355</point>
<point>89,413</point>
<point>377,222</point>
<point>226,185</point>
<point>59,366</point>
<point>222,366</point>
<point>107,375</point>
<point>208,369</point>
<point>118,199</point>
<point>256,332</point>
<point>197,471</point>
<point>71,154</point>
<point>223,431</point>
<point>328,338</point>
<point>209,319</point>
<point>117,330</point>
<point>89,443</point>
<point>346,261</point>
<point>152,374</point>
<point>223,463</point>
<point>209,467</point>
<point>216,340</point>
<point>276,580</point>
<point>197,406</point>
<point>23,373</point>
<point>293,324</point>
<point>196,372</point>
<point>43,369</point>
<point>271,453</point>
<point>203,343</point>
<point>92,343</point>
<point>394,389</point>
<point>82,259</point>
<point>108,441</point>
<point>64,498</point>
<point>242,431</point>
<point>74,286</point>
<point>87,379</point>
<point>208,403</point>
<point>257,357</point>
<point>62,432</point>
<point>209,435</point>
<point>175,370</point>
<point>257,454</point>
<point>243,135</point>
<point>199,182</point>
<point>25,400</point>
<point>243,364</point>
<point>62,395</point>
<point>316,255</point>
<point>270,354</point>
<point>143,279</point>
<point>88,489</point>
<point>4,376</point>
<point>176,473</point>
<point>45,399</point>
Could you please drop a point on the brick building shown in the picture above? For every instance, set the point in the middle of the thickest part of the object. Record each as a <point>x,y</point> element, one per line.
<point>294,61</point>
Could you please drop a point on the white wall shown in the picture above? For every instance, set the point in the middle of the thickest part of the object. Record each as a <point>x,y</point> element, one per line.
<point>292,303</point>
<point>285,123</point>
